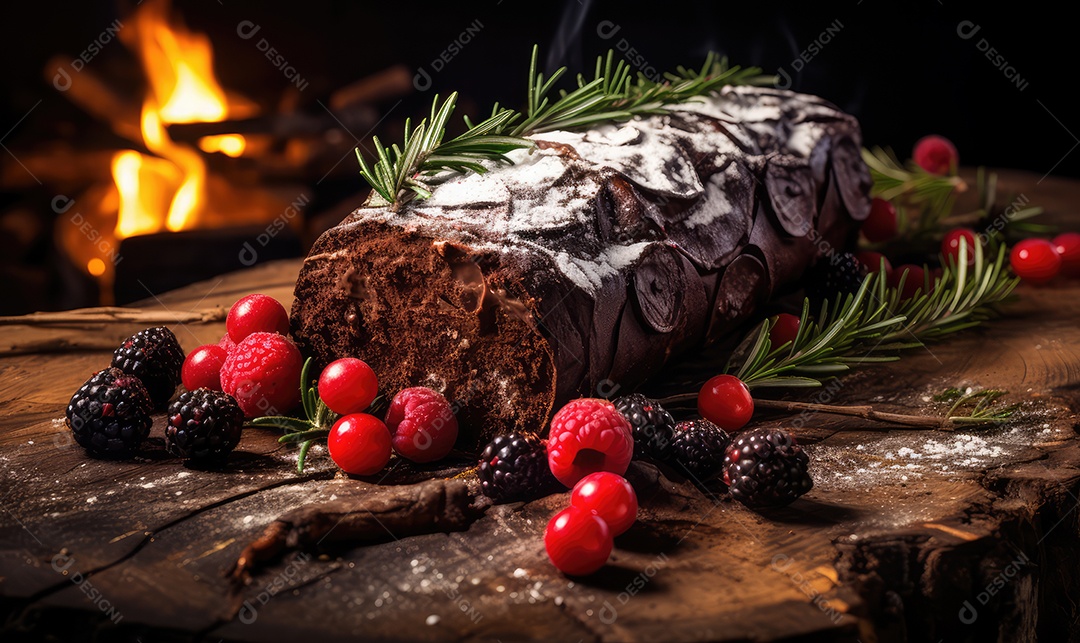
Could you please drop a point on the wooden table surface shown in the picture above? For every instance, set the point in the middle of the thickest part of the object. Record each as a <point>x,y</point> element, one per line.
<point>907,535</point>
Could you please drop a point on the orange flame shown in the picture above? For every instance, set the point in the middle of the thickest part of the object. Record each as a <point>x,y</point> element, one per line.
<point>168,190</point>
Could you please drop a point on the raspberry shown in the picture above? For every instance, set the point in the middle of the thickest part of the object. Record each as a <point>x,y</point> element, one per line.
<point>515,467</point>
<point>227,343</point>
<point>154,356</point>
<point>588,435</point>
<point>204,425</point>
<point>833,277</point>
<point>263,374</point>
<point>202,368</point>
<point>765,468</point>
<point>698,449</point>
<point>422,424</point>
<point>650,424</point>
<point>936,154</point>
<point>110,414</point>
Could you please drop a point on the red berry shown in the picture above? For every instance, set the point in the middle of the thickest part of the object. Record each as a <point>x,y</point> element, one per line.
<point>359,444</point>
<point>1035,260</point>
<point>227,343</point>
<point>202,368</point>
<point>609,496</point>
<point>263,374</point>
<point>256,314</point>
<point>423,424</point>
<point>578,542</point>
<point>872,261</point>
<point>936,154</point>
<point>725,401</point>
<point>881,224</point>
<point>588,435</point>
<point>348,385</point>
<point>950,245</point>
<point>784,330</point>
<point>1067,245</point>
<point>915,280</point>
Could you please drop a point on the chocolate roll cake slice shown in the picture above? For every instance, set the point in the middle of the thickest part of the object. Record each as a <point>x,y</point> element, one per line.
<point>593,260</point>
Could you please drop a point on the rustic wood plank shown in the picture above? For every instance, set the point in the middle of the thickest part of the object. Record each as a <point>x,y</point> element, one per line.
<point>901,528</point>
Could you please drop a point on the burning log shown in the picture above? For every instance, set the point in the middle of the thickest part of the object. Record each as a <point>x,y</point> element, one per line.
<point>94,96</point>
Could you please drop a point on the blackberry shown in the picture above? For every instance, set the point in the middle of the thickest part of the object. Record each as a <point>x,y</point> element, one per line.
<point>697,449</point>
<point>834,277</point>
<point>154,356</point>
<point>651,425</point>
<point>110,414</point>
<point>515,467</point>
<point>765,468</point>
<point>203,425</point>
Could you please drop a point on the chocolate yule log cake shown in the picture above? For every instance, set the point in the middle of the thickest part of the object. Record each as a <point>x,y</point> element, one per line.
<point>593,260</point>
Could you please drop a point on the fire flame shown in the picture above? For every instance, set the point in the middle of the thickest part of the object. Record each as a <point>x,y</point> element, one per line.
<point>168,189</point>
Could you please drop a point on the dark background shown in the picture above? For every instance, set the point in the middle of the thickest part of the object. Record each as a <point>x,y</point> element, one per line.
<point>901,68</point>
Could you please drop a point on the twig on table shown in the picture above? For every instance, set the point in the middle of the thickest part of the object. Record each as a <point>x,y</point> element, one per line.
<point>944,423</point>
<point>116,315</point>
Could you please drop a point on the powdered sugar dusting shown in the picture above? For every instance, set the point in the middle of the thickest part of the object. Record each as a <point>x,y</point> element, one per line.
<point>719,205</point>
<point>555,187</point>
<point>645,153</point>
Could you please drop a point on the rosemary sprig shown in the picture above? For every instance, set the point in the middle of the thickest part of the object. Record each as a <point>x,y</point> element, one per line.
<point>922,199</point>
<point>315,425</point>
<point>424,158</point>
<point>875,323</point>
<point>924,203</point>
<point>982,413</point>
<point>981,406</point>
<point>1007,222</point>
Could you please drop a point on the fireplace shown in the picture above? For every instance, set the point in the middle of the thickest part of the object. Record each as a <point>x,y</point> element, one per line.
<point>143,132</point>
<point>161,174</point>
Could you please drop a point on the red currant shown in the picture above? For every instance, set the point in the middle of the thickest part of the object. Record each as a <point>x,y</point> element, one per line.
<point>202,368</point>
<point>578,542</point>
<point>360,444</point>
<point>609,496</point>
<point>725,401</point>
<point>348,385</point>
<point>1067,245</point>
<point>881,224</point>
<point>1035,260</point>
<point>256,313</point>
<point>914,282</point>
<point>950,245</point>
<point>784,330</point>
<point>872,260</point>
<point>936,154</point>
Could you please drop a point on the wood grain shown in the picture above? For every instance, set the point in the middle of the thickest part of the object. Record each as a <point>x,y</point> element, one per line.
<point>887,547</point>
